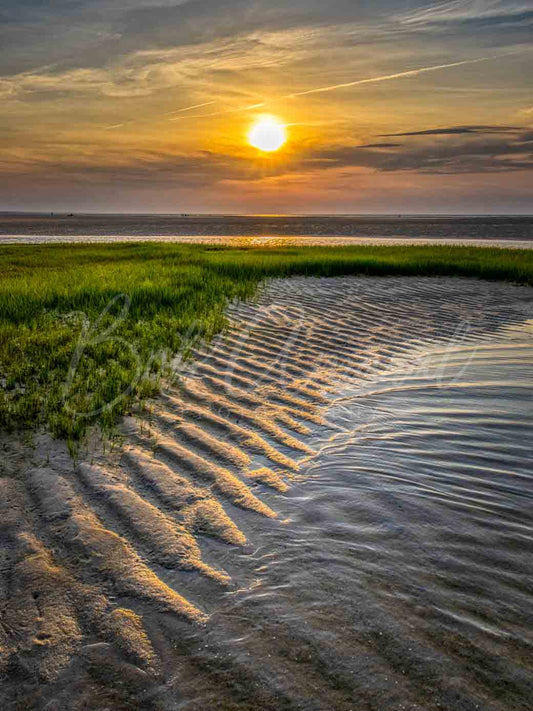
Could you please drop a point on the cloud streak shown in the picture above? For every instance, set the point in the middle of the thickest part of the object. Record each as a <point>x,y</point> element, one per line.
<point>457,154</point>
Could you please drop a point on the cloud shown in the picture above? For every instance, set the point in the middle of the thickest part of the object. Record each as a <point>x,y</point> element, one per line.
<point>483,13</point>
<point>456,155</point>
<point>494,23</point>
<point>146,167</point>
<point>206,169</point>
<point>145,72</point>
<point>92,33</point>
<point>455,131</point>
<point>461,11</point>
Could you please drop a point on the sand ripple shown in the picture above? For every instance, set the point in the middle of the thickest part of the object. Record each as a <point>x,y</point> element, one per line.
<point>107,563</point>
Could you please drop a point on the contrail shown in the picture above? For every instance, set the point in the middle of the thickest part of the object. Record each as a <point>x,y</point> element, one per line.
<point>190,108</point>
<point>358,82</point>
<point>388,77</point>
<point>217,113</point>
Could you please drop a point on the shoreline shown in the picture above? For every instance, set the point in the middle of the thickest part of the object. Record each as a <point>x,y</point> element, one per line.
<point>266,241</point>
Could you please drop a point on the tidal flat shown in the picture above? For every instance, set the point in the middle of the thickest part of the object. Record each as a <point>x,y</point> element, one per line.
<point>329,508</point>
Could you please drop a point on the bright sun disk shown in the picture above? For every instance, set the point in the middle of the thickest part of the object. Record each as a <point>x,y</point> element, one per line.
<point>268,134</point>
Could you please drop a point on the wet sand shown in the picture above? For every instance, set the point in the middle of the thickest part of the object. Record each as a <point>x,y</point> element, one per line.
<point>331,510</point>
<point>266,241</point>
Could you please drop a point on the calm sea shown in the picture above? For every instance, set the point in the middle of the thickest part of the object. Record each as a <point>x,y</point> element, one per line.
<point>41,227</point>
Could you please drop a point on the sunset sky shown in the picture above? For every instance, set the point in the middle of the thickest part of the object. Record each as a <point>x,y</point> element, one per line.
<point>145,105</point>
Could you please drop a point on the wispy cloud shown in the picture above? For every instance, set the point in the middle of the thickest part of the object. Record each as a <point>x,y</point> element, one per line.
<point>142,73</point>
<point>465,10</point>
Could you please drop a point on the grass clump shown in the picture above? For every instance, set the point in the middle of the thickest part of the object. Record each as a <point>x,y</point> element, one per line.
<point>87,331</point>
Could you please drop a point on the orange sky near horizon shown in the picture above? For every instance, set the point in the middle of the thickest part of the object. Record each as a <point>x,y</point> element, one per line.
<point>405,107</point>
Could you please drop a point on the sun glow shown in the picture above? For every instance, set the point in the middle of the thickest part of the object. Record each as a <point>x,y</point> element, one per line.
<point>268,134</point>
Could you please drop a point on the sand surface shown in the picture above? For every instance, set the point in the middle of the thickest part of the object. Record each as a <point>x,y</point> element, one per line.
<point>266,241</point>
<point>120,572</point>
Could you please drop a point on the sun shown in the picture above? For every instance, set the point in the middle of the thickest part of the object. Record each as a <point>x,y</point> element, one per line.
<point>268,134</point>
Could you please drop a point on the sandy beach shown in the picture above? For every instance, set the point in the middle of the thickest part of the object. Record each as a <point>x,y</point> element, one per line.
<point>126,574</point>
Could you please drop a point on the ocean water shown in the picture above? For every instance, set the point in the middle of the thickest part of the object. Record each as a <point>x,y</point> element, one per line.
<point>400,575</point>
<point>496,229</point>
<point>402,579</point>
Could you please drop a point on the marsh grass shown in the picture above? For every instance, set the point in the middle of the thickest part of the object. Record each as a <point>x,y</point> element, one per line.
<point>87,331</point>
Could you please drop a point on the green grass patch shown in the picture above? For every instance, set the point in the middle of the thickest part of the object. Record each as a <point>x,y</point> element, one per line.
<point>86,331</point>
